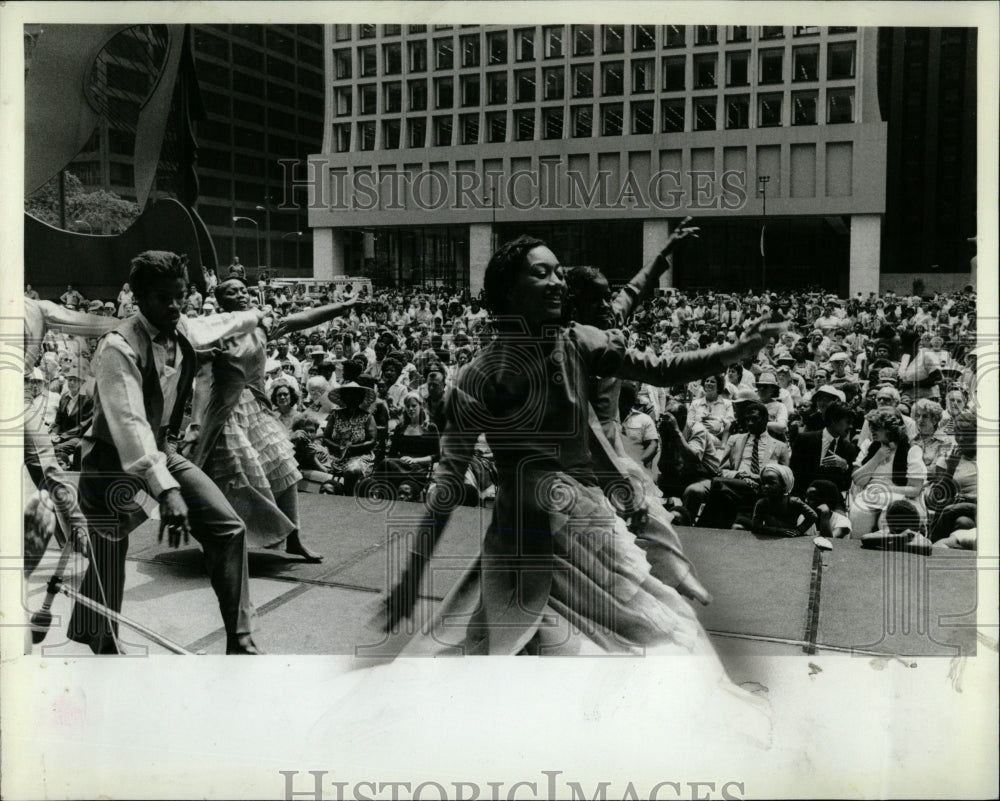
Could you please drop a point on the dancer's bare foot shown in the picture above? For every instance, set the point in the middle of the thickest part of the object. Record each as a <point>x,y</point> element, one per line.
<point>691,588</point>
<point>293,545</point>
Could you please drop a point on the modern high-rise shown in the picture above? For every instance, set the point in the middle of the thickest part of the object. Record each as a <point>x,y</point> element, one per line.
<point>441,141</point>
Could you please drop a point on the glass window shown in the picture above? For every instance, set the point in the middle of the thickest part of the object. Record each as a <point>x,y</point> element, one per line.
<point>366,135</point>
<point>805,63</point>
<point>368,61</point>
<point>612,82</point>
<point>392,59</point>
<point>643,76</point>
<point>417,95</point>
<point>768,111</point>
<point>470,50</point>
<point>393,97</point>
<point>738,69</point>
<point>705,113</point>
<point>613,38</point>
<point>739,33</point>
<point>772,32</point>
<point>342,63</point>
<point>470,90</point>
<point>366,31</point>
<point>390,134</point>
<point>583,40</point>
<point>771,63</point>
<point>675,36</point>
<point>804,108</point>
<point>342,138</point>
<point>738,111</point>
<point>442,131</point>
<point>392,30</point>
<point>552,123</point>
<point>842,29</point>
<point>553,35</point>
<point>524,44</point>
<point>416,132</point>
<point>496,45</point>
<point>673,116</point>
<point>805,30</point>
<point>496,126</point>
<point>444,93</point>
<point>611,119</point>
<point>554,79</point>
<point>706,34</point>
<point>705,65</point>
<point>416,28</point>
<point>524,125</point>
<point>368,98</point>
<point>470,129</point>
<point>496,87</point>
<point>583,121</point>
<point>643,37</point>
<point>839,60</point>
<point>674,79</point>
<point>418,56</point>
<point>642,117</point>
<point>583,81</point>
<point>444,54</point>
<point>342,100</point>
<point>839,105</point>
<point>524,86</point>
<point>341,33</point>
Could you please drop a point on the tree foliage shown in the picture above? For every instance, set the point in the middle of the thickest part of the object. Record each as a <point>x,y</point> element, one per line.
<point>98,211</point>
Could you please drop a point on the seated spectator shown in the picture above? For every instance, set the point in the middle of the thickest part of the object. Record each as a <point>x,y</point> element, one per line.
<point>712,410</point>
<point>934,444</point>
<point>414,446</point>
<point>777,412</point>
<point>432,395</point>
<point>888,398</point>
<point>639,435</point>
<point>689,454</point>
<point>827,501</point>
<point>828,454</point>
<point>74,413</point>
<point>285,400</point>
<point>310,453</point>
<point>956,492</point>
<point>778,513</point>
<point>316,404</point>
<point>955,403</point>
<point>350,434</point>
<point>841,377</point>
<point>903,530</point>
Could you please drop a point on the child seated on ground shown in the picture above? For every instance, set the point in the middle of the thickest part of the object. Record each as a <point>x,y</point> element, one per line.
<point>905,530</point>
<point>964,537</point>
<point>777,513</point>
<point>312,457</point>
<point>827,502</point>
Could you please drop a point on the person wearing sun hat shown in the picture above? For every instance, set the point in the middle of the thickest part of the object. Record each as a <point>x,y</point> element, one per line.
<point>351,433</point>
<point>777,413</point>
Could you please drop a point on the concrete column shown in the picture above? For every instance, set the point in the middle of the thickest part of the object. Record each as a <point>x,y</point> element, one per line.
<point>480,250</point>
<point>328,253</point>
<point>866,252</point>
<point>654,237</point>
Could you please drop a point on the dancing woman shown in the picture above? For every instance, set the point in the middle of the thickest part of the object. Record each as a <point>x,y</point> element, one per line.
<point>242,447</point>
<point>558,571</point>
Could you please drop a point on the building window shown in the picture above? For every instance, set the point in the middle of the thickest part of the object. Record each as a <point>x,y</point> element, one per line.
<point>642,117</point>
<point>839,105</point>
<point>643,37</point>
<point>524,44</point>
<point>416,132</point>
<point>612,82</point>
<point>496,126</point>
<point>706,34</point>
<point>705,111</point>
<point>342,138</point>
<point>444,54</point>
<point>674,36</point>
<point>368,98</point>
<point>417,95</point>
<point>738,69</point>
<point>470,129</point>
<point>842,29</point>
<point>416,28</point>
<point>554,80</point>
<point>366,31</point>
<point>496,45</point>
<point>368,61</point>
<point>418,56</point>
<point>738,111</point>
<point>496,87</point>
<point>768,110</point>
<point>553,36</point>
<point>643,76</point>
<point>674,79</point>
<point>342,33</point>
<point>804,108</point>
<point>583,81</point>
<point>342,64</point>
<point>583,121</point>
<point>393,97</point>
<point>444,93</point>
<point>390,134</point>
<point>524,86</point>
<point>366,135</point>
<point>772,32</point>
<point>470,50</point>
<point>392,30</point>
<point>524,125</point>
<point>771,63</point>
<point>342,101</point>
<point>805,30</point>
<point>392,59</point>
<point>805,63</point>
<point>839,60</point>
<point>583,40</point>
<point>442,131</point>
<point>552,123</point>
<point>739,33</point>
<point>673,116</point>
<point>612,38</point>
<point>611,119</point>
<point>470,90</point>
<point>705,66</point>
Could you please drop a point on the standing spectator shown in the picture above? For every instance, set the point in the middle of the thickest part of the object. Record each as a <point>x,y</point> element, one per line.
<point>236,270</point>
<point>71,299</point>
<point>30,293</point>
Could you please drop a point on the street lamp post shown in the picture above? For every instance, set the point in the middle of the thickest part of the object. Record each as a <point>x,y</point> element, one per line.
<point>256,231</point>
<point>267,232</point>
<point>763,181</point>
<point>297,241</point>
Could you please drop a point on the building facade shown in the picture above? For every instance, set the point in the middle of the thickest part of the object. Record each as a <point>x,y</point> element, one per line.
<point>442,141</point>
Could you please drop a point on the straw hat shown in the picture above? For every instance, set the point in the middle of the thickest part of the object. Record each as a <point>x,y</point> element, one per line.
<point>352,394</point>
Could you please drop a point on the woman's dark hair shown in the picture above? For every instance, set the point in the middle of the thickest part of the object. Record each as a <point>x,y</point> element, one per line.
<point>720,381</point>
<point>828,493</point>
<point>285,385</point>
<point>218,288</point>
<point>300,422</point>
<point>153,266</point>
<point>502,271</point>
<point>908,341</point>
<point>836,412</point>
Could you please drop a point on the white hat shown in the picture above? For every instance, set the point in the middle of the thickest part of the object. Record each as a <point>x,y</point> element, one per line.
<point>826,389</point>
<point>840,356</point>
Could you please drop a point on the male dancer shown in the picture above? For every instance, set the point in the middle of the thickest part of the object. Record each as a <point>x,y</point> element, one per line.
<point>144,370</point>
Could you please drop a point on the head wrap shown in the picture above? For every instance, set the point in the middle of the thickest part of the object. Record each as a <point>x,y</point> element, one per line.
<point>785,473</point>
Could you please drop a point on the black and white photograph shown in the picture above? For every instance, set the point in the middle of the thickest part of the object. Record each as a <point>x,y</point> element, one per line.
<point>584,402</point>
